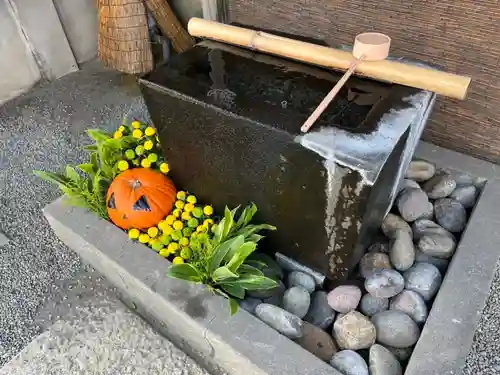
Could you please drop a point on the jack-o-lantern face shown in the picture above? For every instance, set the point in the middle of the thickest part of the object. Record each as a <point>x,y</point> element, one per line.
<point>140,198</point>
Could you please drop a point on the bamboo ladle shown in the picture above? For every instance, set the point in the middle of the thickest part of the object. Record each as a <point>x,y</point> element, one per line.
<point>367,47</point>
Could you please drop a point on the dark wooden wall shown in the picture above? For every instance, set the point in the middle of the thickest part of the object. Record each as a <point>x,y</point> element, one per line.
<point>461,36</point>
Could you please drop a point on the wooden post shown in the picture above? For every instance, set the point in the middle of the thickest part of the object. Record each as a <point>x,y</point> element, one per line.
<point>170,25</point>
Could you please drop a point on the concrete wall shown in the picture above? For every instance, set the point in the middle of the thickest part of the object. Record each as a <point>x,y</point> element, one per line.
<point>79,21</point>
<point>18,68</point>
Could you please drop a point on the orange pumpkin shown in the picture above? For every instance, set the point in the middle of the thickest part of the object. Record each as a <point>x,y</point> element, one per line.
<point>140,198</point>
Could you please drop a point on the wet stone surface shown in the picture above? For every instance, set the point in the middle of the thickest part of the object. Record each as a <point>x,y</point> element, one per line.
<point>370,324</point>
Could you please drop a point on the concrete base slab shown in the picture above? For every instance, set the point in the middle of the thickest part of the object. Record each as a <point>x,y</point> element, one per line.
<point>199,322</point>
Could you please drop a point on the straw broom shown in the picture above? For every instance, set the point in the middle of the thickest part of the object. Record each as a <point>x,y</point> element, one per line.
<point>123,38</point>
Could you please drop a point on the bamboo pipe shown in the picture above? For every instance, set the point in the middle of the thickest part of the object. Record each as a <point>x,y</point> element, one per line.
<point>442,83</point>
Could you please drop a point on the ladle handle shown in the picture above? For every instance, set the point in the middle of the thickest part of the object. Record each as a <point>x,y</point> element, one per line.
<point>331,95</point>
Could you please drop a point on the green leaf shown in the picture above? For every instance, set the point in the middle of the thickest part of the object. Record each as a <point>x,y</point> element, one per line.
<point>254,237</point>
<point>220,251</point>
<point>184,272</point>
<point>234,290</point>
<point>223,273</point>
<point>267,262</point>
<point>251,229</point>
<point>72,174</point>
<point>248,269</point>
<point>246,216</point>
<point>252,282</point>
<point>240,255</point>
<point>90,148</point>
<point>86,168</point>
<point>93,160</point>
<point>233,306</point>
<point>98,135</point>
<point>228,223</point>
<point>55,178</point>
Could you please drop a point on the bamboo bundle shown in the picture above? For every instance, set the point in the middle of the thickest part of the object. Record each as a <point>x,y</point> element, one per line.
<point>123,38</point>
<point>170,25</point>
<point>442,83</point>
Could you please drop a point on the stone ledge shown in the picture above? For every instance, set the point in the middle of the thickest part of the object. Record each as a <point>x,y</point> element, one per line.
<point>199,322</point>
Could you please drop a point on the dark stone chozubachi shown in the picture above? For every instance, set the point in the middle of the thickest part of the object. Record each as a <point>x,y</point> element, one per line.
<point>229,123</point>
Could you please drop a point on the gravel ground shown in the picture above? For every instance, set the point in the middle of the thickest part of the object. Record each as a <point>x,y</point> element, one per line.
<point>97,335</point>
<point>44,129</point>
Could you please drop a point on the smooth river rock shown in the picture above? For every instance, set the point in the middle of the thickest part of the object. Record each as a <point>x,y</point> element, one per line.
<point>385,283</point>
<point>412,204</point>
<point>344,298</point>
<point>354,331</point>
<point>407,183</point>
<point>297,300</point>
<point>281,320</point>
<point>297,278</point>
<point>412,304</point>
<point>395,328</point>
<point>392,223</point>
<point>440,186</point>
<point>450,214</point>
<point>276,292</point>
<point>348,362</point>
<point>420,170</point>
<point>466,195</point>
<point>437,245</point>
<point>440,263</point>
<point>383,362</point>
<point>371,262</point>
<point>379,246</point>
<point>371,305</point>
<point>320,313</point>
<point>402,354</point>
<point>402,253</point>
<point>317,342</point>
<point>249,304</point>
<point>423,278</point>
<point>422,227</point>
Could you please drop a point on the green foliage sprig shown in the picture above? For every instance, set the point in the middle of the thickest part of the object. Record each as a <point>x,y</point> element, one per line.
<point>223,263</point>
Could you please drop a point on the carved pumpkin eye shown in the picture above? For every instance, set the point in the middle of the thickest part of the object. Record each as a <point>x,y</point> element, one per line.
<point>141,205</point>
<point>112,202</point>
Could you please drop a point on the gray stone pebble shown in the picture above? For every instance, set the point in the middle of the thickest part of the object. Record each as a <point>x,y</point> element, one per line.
<point>466,195</point>
<point>392,223</point>
<point>348,362</point>
<point>420,170</point>
<point>412,204</point>
<point>402,253</point>
<point>441,264</point>
<point>249,304</point>
<point>371,262</point>
<point>379,246</point>
<point>437,245</point>
<point>317,342</point>
<point>407,183</point>
<point>423,278</point>
<point>402,354</point>
<point>385,283</point>
<point>463,179</point>
<point>429,213</point>
<point>440,186</point>
<point>297,300</point>
<point>383,362</point>
<point>371,305</point>
<point>422,227</point>
<point>281,320</point>
<point>450,214</point>
<point>354,331</point>
<point>344,298</point>
<point>412,304</point>
<point>276,292</point>
<point>395,328</point>
<point>297,278</point>
<point>320,313</point>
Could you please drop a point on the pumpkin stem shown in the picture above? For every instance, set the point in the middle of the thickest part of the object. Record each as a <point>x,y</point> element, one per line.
<point>136,184</point>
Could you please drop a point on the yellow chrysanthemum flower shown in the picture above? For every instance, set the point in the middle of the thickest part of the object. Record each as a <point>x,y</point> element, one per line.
<point>150,131</point>
<point>208,210</point>
<point>178,225</point>
<point>164,168</point>
<point>170,219</point>
<point>137,133</point>
<point>153,232</point>
<point>123,165</point>
<point>191,199</point>
<point>179,204</point>
<point>178,260</point>
<point>173,247</point>
<point>184,242</point>
<point>145,163</point>
<point>134,233</point>
<point>181,195</point>
<point>176,213</point>
<point>122,128</point>
<point>143,238</point>
<point>117,135</point>
<point>148,145</point>
<point>189,207</point>
<point>185,216</point>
